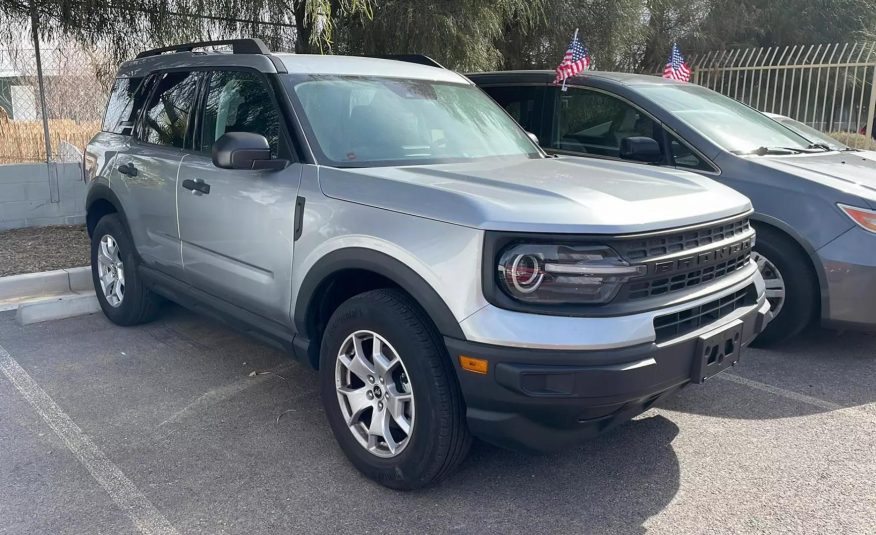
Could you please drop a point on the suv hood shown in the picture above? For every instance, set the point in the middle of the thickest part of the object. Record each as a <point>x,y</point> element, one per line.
<point>565,194</point>
<point>849,172</point>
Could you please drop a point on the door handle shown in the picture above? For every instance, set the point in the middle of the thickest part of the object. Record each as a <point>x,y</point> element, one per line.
<point>196,186</point>
<point>128,169</point>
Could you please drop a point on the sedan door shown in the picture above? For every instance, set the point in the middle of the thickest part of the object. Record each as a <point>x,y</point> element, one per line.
<point>237,226</point>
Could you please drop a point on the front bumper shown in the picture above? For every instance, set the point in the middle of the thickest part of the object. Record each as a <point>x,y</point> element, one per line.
<point>542,400</point>
<point>849,265</point>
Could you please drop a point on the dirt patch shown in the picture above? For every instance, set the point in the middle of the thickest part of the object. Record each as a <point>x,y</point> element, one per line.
<point>29,250</point>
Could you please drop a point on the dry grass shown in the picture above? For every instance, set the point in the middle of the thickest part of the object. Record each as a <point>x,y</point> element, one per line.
<point>22,141</point>
<point>857,141</point>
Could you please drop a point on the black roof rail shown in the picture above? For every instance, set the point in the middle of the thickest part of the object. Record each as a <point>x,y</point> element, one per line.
<point>238,46</point>
<point>413,58</point>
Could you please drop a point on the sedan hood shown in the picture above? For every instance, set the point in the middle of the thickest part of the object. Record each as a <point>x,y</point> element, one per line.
<point>851,172</point>
<point>565,194</point>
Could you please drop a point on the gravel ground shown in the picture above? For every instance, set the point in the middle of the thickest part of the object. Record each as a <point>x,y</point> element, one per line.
<point>30,250</point>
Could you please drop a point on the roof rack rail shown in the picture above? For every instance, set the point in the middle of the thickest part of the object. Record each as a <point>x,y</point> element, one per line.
<point>413,58</point>
<point>238,46</point>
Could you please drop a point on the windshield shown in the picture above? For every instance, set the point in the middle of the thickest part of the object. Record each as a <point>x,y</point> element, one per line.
<point>809,133</point>
<point>372,121</point>
<point>730,124</point>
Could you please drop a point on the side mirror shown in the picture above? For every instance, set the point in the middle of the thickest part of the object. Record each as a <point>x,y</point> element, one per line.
<point>533,137</point>
<point>640,149</point>
<point>244,150</point>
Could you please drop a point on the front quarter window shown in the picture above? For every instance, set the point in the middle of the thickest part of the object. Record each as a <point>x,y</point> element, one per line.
<point>370,121</point>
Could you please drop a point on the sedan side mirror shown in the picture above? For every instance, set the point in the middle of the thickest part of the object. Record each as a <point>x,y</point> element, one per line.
<point>640,149</point>
<point>533,137</point>
<point>244,150</point>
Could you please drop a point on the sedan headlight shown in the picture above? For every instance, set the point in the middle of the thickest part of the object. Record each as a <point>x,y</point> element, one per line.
<point>863,217</point>
<point>563,273</point>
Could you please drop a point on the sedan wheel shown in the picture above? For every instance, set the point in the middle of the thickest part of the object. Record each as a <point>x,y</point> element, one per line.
<point>775,284</point>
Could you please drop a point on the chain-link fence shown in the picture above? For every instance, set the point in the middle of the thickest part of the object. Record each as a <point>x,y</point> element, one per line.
<point>75,81</point>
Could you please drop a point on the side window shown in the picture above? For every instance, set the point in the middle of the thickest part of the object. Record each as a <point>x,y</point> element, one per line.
<point>166,119</point>
<point>124,104</point>
<point>239,102</point>
<point>595,123</point>
<point>523,103</point>
<point>683,156</point>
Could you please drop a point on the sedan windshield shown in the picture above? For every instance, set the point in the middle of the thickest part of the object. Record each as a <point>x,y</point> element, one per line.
<point>730,124</point>
<point>372,121</point>
<point>809,133</point>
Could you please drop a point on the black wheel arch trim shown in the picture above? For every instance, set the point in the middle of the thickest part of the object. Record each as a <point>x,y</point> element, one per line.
<point>102,192</point>
<point>381,264</point>
<point>810,251</point>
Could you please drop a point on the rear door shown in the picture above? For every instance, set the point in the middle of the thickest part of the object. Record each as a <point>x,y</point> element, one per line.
<point>146,176</point>
<point>237,239</point>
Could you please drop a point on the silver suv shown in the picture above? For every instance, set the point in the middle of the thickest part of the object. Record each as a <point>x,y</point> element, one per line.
<point>391,226</point>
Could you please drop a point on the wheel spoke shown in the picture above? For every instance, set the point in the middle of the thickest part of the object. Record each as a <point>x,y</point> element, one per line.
<point>773,284</point>
<point>396,407</point>
<point>103,256</point>
<point>358,400</point>
<point>773,294</point>
<point>118,290</point>
<point>358,366</point>
<point>380,428</point>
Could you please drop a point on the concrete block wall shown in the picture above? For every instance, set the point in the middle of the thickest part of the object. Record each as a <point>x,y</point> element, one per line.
<point>26,200</point>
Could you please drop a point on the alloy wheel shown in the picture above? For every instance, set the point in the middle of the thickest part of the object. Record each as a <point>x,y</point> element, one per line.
<point>772,278</point>
<point>375,394</point>
<point>111,272</point>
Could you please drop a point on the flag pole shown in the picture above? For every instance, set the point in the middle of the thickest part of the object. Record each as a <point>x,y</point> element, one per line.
<point>574,38</point>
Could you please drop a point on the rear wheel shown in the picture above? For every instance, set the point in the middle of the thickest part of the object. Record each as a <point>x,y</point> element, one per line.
<point>390,393</point>
<point>791,286</point>
<point>120,291</point>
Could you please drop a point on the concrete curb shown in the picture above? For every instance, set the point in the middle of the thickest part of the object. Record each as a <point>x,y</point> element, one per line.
<point>65,306</point>
<point>46,283</point>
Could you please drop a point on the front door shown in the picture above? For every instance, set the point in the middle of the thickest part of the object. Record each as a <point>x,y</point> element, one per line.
<point>237,239</point>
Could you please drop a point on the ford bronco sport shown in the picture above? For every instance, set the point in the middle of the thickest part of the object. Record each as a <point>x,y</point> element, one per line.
<point>391,226</point>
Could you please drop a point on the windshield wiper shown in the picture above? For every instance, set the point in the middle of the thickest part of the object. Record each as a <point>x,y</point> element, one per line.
<point>765,151</point>
<point>821,146</point>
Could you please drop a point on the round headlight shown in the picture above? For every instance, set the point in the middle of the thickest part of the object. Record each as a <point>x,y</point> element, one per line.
<point>526,273</point>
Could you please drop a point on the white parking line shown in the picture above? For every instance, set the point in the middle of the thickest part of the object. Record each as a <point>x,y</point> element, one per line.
<point>128,497</point>
<point>855,412</point>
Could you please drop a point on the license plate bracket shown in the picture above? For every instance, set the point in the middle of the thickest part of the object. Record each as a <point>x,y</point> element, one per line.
<point>716,351</point>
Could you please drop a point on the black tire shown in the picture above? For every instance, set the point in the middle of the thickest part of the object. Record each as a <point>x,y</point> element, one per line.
<point>138,304</point>
<point>439,438</point>
<point>801,304</point>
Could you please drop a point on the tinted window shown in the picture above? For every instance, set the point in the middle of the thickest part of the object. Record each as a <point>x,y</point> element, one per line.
<point>125,102</point>
<point>239,102</point>
<point>166,119</point>
<point>595,123</point>
<point>523,103</point>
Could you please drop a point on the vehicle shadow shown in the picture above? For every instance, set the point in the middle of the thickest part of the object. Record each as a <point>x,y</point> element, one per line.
<point>819,371</point>
<point>611,484</point>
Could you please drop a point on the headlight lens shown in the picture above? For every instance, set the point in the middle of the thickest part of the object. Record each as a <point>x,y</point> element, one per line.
<point>563,274</point>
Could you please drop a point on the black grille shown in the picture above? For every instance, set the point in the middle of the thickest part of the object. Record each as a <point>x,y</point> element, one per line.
<point>680,323</point>
<point>660,245</point>
<point>649,288</point>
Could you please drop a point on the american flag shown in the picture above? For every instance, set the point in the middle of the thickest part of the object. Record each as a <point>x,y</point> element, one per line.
<point>577,59</point>
<point>676,69</point>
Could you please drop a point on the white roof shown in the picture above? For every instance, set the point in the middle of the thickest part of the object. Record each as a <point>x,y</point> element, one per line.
<point>362,66</point>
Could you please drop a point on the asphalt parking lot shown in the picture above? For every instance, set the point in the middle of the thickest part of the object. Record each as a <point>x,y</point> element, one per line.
<point>164,428</point>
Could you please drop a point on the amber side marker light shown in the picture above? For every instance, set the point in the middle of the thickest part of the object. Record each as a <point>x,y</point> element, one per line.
<point>473,365</point>
<point>863,217</point>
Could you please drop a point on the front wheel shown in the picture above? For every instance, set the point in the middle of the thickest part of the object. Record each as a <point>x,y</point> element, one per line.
<point>791,287</point>
<point>390,393</point>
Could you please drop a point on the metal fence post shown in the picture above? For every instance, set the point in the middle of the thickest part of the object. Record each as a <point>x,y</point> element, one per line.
<point>872,105</point>
<point>54,192</point>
